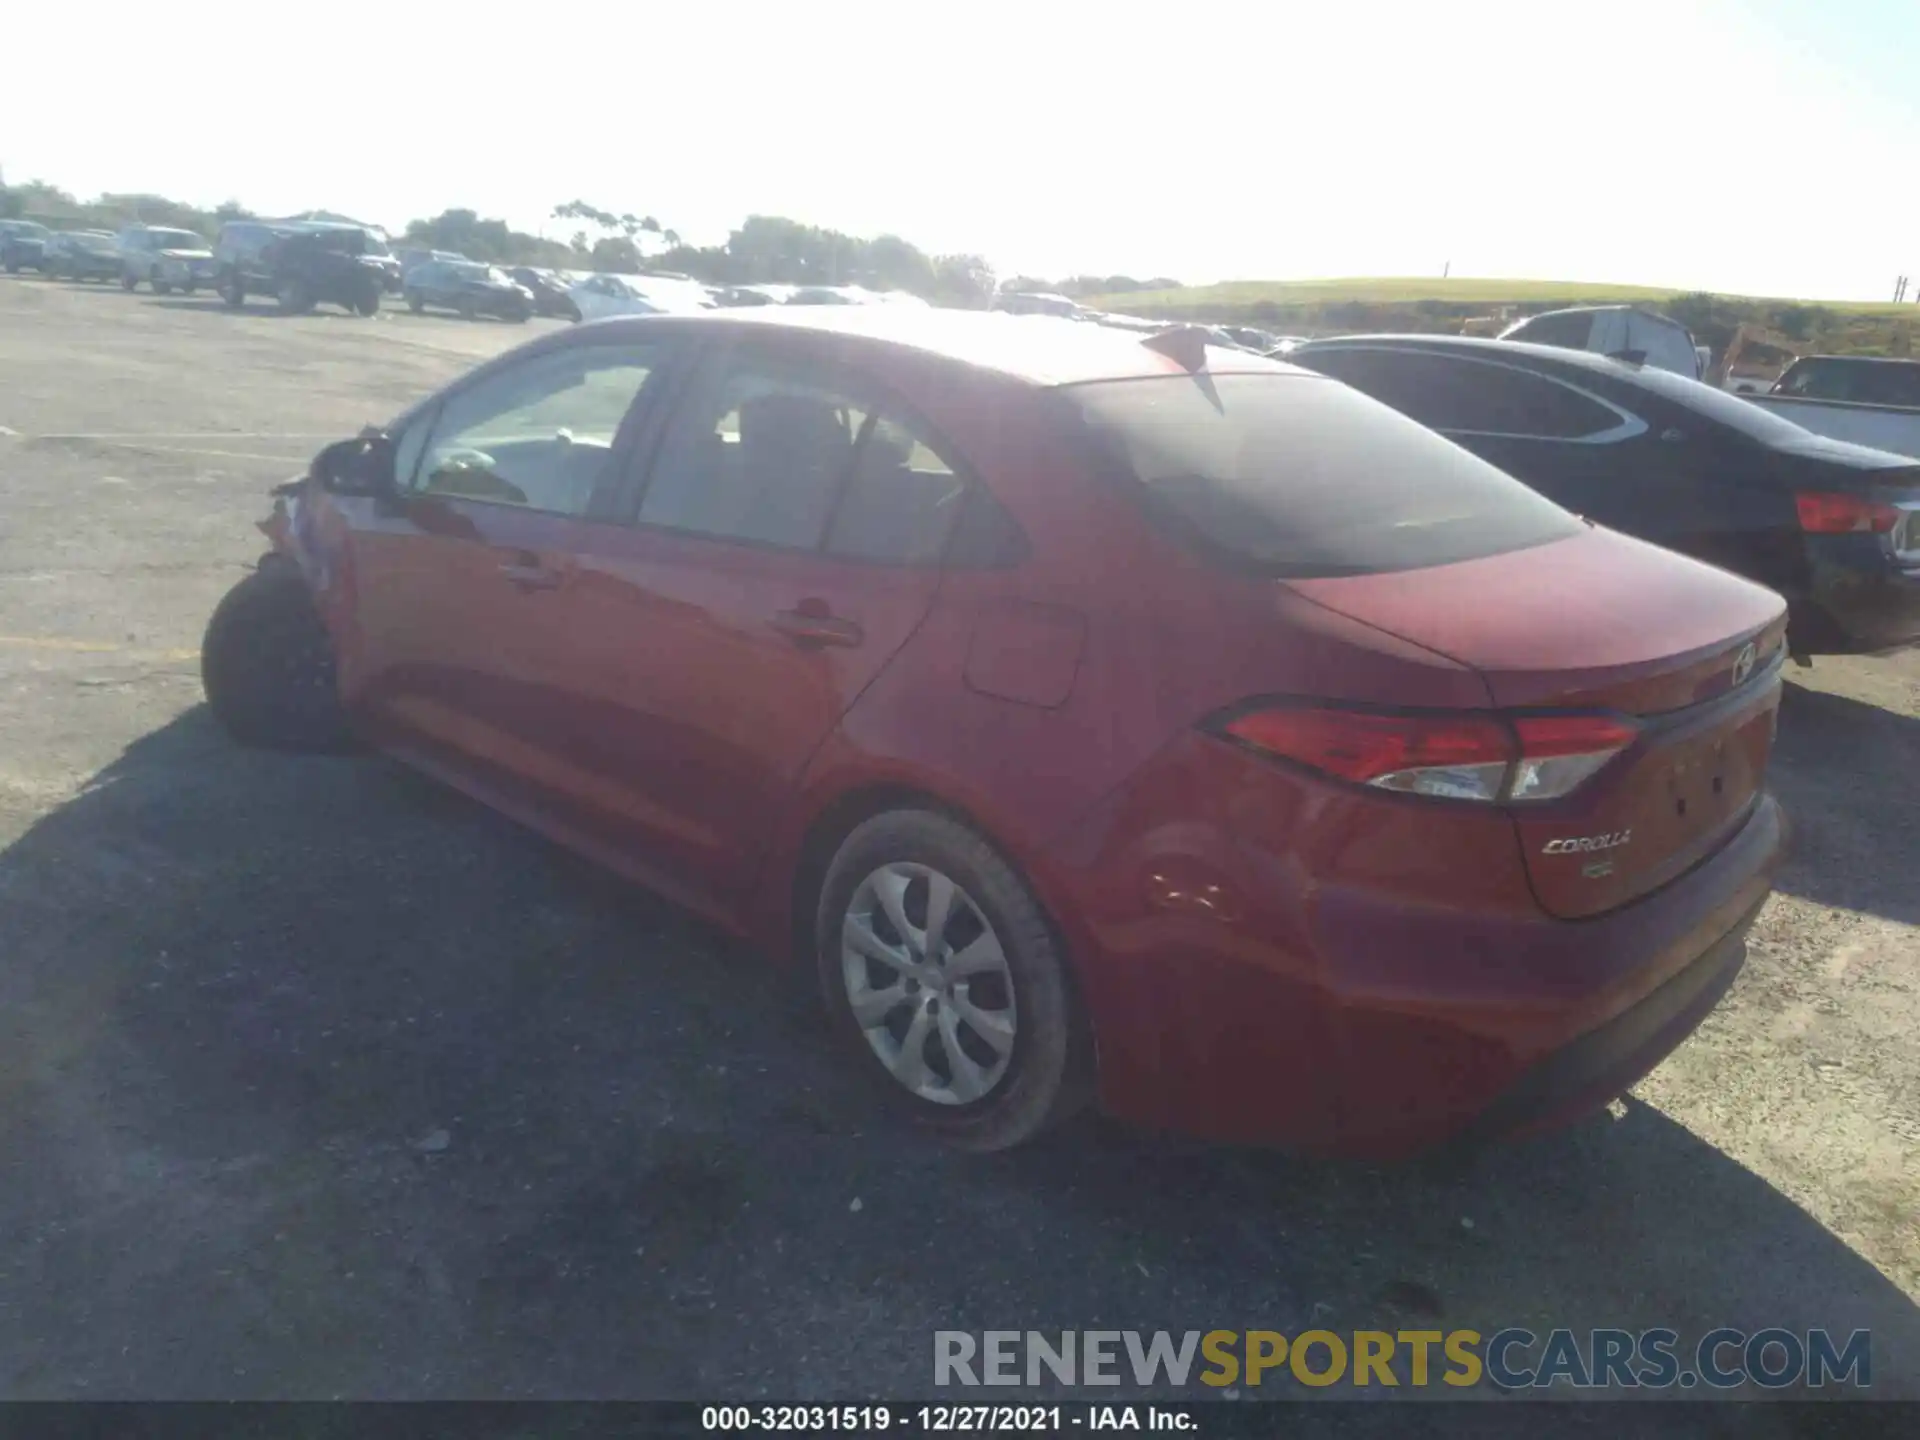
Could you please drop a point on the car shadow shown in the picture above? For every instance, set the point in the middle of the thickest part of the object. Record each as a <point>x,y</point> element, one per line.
<point>259,305</point>
<point>1848,774</point>
<point>318,1080</point>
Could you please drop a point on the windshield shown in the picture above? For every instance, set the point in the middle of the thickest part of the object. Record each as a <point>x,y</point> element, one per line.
<point>1298,476</point>
<point>177,240</point>
<point>466,270</point>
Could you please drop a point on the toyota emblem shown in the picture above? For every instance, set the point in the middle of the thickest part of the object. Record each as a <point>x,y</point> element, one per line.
<point>1743,664</point>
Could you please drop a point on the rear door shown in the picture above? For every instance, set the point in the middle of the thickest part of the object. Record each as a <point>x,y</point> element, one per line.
<point>786,542</point>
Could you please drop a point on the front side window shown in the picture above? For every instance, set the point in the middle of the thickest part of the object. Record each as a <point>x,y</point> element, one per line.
<point>1291,475</point>
<point>540,434</point>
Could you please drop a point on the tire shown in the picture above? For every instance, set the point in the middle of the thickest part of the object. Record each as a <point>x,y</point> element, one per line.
<point>465,307</point>
<point>294,297</point>
<point>162,287</point>
<point>266,664</point>
<point>188,288</point>
<point>233,292</point>
<point>128,281</point>
<point>999,1096</point>
<point>368,304</point>
<point>415,301</point>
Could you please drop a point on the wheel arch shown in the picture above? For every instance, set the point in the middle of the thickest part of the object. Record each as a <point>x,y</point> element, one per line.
<point>829,822</point>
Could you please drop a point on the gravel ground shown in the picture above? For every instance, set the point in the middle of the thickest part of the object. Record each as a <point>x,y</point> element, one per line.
<point>316,1080</point>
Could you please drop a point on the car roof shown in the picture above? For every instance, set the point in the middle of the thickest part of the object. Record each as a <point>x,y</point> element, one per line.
<point>1552,356</point>
<point>1039,349</point>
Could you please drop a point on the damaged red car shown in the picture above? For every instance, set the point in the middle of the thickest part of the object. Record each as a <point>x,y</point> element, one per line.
<point>1105,718</point>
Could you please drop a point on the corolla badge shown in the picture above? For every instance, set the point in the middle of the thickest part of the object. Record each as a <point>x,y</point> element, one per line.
<point>1743,664</point>
<point>1585,844</point>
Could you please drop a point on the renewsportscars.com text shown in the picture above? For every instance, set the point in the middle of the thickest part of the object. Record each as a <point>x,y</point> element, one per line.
<point>1512,1359</point>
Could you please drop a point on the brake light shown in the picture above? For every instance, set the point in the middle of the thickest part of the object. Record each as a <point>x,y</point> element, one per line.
<point>1486,758</point>
<point>1822,513</point>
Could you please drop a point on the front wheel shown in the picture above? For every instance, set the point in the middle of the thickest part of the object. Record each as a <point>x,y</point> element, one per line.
<point>233,292</point>
<point>368,304</point>
<point>162,287</point>
<point>128,282</point>
<point>942,974</point>
<point>415,301</point>
<point>267,666</point>
<point>293,298</point>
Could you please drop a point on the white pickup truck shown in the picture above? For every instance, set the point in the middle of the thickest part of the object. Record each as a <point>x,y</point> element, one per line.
<point>1851,397</point>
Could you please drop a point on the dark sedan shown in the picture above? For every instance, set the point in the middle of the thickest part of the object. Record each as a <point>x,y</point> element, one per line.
<point>549,291</point>
<point>467,287</point>
<point>81,255</point>
<point>1833,527</point>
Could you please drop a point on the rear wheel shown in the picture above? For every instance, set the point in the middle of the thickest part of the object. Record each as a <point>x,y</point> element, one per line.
<point>369,301</point>
<point>465,307</point>
<point>128,281</point>
<point>942,974</point>
<point>233,292</point>
<point>267,666</point>
<point>162,287</point>
<point>415,302</point>
<point>294,298</point>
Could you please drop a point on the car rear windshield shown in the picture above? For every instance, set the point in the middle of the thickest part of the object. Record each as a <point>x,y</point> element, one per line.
<point>1296,475</point>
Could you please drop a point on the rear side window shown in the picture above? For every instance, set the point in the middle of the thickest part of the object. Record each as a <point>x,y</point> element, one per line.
<point>1468,395</point>
<point>1294,476</point>
<point>1569,330</point>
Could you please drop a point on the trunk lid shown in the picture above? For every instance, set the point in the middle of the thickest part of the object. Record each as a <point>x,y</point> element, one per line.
<point>1603,622</point>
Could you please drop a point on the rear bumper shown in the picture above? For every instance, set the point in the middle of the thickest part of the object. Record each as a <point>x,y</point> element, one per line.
<point>1860,600</point>
<point>1601,1064</point>
<point>1245,989</point>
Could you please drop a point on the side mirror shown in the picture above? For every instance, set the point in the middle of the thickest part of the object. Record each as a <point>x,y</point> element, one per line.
<point>362,466</point>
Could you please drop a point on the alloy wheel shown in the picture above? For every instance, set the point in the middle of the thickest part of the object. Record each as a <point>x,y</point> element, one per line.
<point>928,984</point>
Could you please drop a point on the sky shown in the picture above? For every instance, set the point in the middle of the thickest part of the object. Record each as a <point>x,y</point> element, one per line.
<point>1767,147</point>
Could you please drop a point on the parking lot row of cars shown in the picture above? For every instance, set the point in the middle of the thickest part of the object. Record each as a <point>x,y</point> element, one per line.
<point>303,263</point>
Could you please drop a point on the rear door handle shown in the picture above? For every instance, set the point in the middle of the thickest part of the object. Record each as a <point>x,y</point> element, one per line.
<point>810,628</point>
<point>526,570</point>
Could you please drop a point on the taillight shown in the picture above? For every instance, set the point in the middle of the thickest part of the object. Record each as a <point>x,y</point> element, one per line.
<point>1487,758</point>
<point>1822,513</point>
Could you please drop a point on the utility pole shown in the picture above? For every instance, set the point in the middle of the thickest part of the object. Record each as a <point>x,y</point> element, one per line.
<point>1899,289</point>
<point>1446,270</point>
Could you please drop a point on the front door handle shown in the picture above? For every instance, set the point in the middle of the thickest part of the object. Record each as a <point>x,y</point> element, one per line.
<point>811,626</point>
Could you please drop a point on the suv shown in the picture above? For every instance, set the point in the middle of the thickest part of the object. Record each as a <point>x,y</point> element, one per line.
<point>164,258</point>
<point>303,264</point>
<point>23,245</point>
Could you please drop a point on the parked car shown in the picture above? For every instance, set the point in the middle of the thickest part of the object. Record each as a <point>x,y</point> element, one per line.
<point>302,264</point>
<point>600,296</point>
<point>1034,302</point>
<point>410,257</point>
<point>81,255</point>
<point>164,258</point>
<point>468,287</point>
<point>1861,398</point>
<point>1618,330</point>
<point>1094,715</point>
<point>1833,527</point>
<point>22,245</point>
<point>548,289</point>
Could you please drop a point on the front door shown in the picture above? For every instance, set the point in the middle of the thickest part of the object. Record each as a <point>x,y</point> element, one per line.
<point>460,592</point>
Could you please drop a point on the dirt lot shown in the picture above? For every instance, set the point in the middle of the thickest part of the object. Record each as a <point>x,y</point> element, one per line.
<point>318,1081</point>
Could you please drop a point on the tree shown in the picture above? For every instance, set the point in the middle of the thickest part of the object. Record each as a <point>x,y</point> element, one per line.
<point>965,280</point>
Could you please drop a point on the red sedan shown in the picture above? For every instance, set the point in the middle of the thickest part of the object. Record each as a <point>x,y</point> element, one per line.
<point>1101,716</point>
